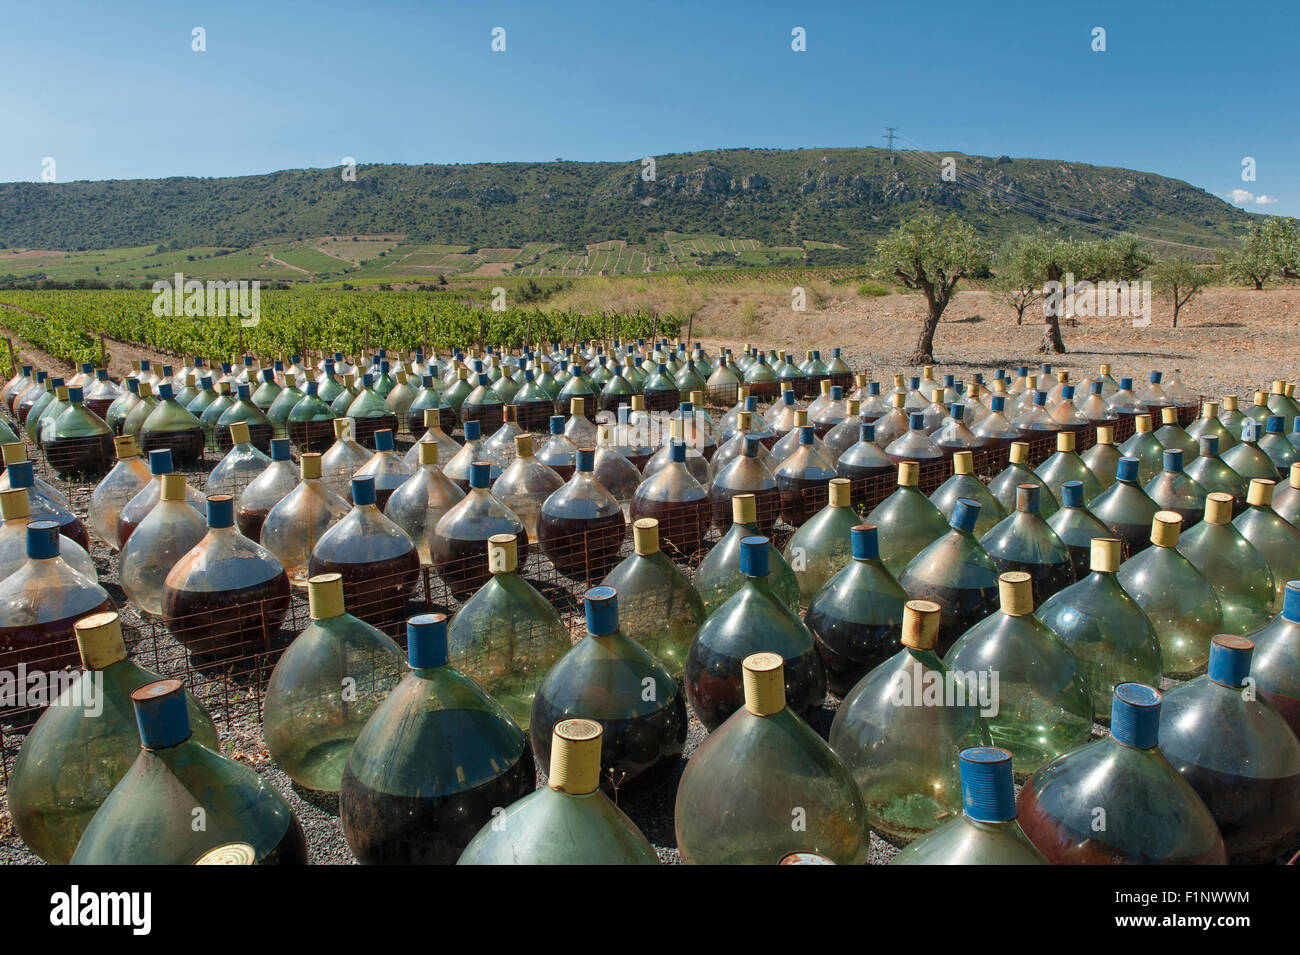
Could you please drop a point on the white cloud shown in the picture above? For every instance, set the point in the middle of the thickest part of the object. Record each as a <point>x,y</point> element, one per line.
<point>1244,197</point>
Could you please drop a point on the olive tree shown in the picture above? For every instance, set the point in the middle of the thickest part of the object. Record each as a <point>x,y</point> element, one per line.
<point>1179,279</point>
<point>1018,272</point>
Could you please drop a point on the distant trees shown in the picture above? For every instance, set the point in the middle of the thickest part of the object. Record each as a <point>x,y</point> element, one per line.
<point>1179,278</point>
<point>930,255</point>
<point>1268,247</point>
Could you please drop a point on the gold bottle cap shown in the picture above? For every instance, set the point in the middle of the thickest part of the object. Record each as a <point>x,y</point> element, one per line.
<point>645,536</point>
<point>840,492</point>
<point>232,853</point>
<point>15,452</point>
<point>697,398</point>
<point>1142,423</point>
<point>859,381</point>
<point>898,381</point>
<point>1063,377</point>
<point>173,487</point>
<point>801,418</point>
<point>341,427</point>
<point>897,400</point>
<point>744,509</point>
<point>927,372</point>
<point>1261,492</point>
<point>1165,527</point>
<point>14,505</point>
<point>223,387</point>
<point>577,406</point>
<point>855,407</point>
<point>936,395</point>
<point>191,379</point>
<point>676,429</point>
<point>764,678</point>
<point>239,432</point>
<point>1169,416</point>
<point>1000,387</point>
<point>1209,409</point>
<point>826,386</point>
<point>1105,434</point>
<point>430,417</point>
<point>920,624</point>
<point>1218,508</point>
<point>99,639</point>
<point>1261,398</point>
<point>744,420</point>
<point>1019,453</point>
<point>1105,554</point>
<point>638,402</point>
<point>1065,441</point>
<point>1295,474</point>
<point>523,447</point>
<point>503,554</point>
<point>1279,387</point>
<point>1105,368</point>
<point>575,757</point>
<point>963,462</point>
<point>462,373</point>
<point>742,392</point>
<point>1031,383</point>
<point>1229,402</point>
<point>909,473</point>
<point>1290,389</point>
<point>125,447</point>
<point>325,596</point>
<point>309,466</point>
<point>1016,592</point>
<point>146,391</point>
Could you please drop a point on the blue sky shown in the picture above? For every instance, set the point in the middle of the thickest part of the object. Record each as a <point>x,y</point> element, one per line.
<point>114,90</point>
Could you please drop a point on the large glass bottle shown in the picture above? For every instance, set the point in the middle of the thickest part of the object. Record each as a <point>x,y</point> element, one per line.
<point>539,829</point>
<point>609,678</point>
<point>956,574</point>
<point>1076,526</point>
<point>149,817</point>
<point>677,501</point>
<point>1126,509</point>
<point>1174,490</point>
<point>740,789</point>
<point>84,743</point>
<point>1276,540</point>
<point>282,406</point>
<point>719,576</point>
<point>900,731</point>
<point>746,473</point>
<point>820,547</point>
<point>170,425</point>
<point>1286,499</point>
<point>1024,541</point>
<point>1044,707</point>
<point>79,444</point>
<point>1103,457</point>
<point>1067,465</point>
<point>294,525</point>
<point>243,409</point>
<point>753,620</point>
<point>16,511</point>
<point>994,429</point>
<point>168,532</point>
<point>343,458</point>
<point>613,470</point>
<point>421,500</point>
<point>1178,600</point>
<point>325,687</point>
<point>387,468</point>
<point>986,833</point>
<point>857,615</point>
<point>908,522</point>
<point>1016,473</point>
<point>1235,569</point>
<point>507,636</point>
<point>370,413</point>
<point>435,434</point>
<point>459,547</point>
<point>309,423</point>
<point>1246,458</point>
<point>1209,425</point>
<point>238,466</point>
<point>1118,800</point>
<point>268,489</point>
<point>1276,666</point>
<point>1209,470</point>
<point>128,476</point>
<point>1238,753</point>
<point>1273,443</point>
<point>864,459</point>
<point>580,526</point>
<point>526,484</point>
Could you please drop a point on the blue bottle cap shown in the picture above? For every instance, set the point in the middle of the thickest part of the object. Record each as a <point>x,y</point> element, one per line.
<point>948,380</point>
<point>161,714</point>
<point>480,474</point>
<point>755,559</point>
<point>1095,388</point>
<point>528,376</point>
<point>27,370</point>
<point>1230,659</point>
<point>837,393</point>
<point>806,434</point>
<point>473,430</point>
<point>363,490</point>
<point>225,367</point>
<point>964,514</point>
<point>1135,715</point>
<point>987,788</point>
<point>312,387</point>
<point>1210,445</point>
<point>586,459</point>
<point>221,510</point>
<point>677,451</point>
<point>42,539</point>
<point>787,397</point>
<point>1173,459</point>
<point>867,432</point>
<point>366,380</point>
<point>101,374</point>
<point>601,604</point>
<point>914,383</point>
<point>916,421</point>
<point>268,374</point>
<point>87,368</point>
<point>1290,600</point>
<point>1040,398</point>
<point>74,394</point>
<point>1067,392</point>
<point>752,444</point>
<point>557,424</point>
<point>383,440</point>
<point>164,391</point>
<point>242,392</point>
<point>686,408</point>
<point>1126,469</point>
<point>144,365</point>
<point>1249,431</point>
<point>1072,494</point>
<point>956,410</point>
<point>1126,384</point>
<point>865,542</point>
<point>1155,377</point>
<point>997,402</point>
<point>279,449</point>
<point>426,641</point>
<point>873,388</point>
<point>41,376</point>
<point>1272,426</point>
<point>1022,370</point>
<point>383,367</point>
<point>484,381</point>
<point>21,474</point>
<point>160,461</point>
<point>56,382</point>
<point>1045,367</point>
<point>1027,498</point>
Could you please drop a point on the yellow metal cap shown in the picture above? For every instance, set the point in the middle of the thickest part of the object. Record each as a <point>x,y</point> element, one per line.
<point>173,487</point>
<point>1065,441</point>
<point>325,596</point>
<point>963,462</point>
<point>125,447</point>
<point>577,406</point>
<point>232,853</point>
<point>920,624</point>
<point>1105,554</point>
<point>645,536</point>
<point>1229,402</point>
<point>341,427</point>
<point>430,417</point>
<point>14,505</point>
<point>909,473</point>
<point>1165,527</point>
<point>1142,423</point>
<point>1210,409</point>
<point>1105,434</point>
<point>309,466</point>
<point>1016,593</point>
<point>839,493</point>
<point>764,679</point>
<point>1218,508</point>
<point>523,446</point>
<point>575,757</point>
<point>1019,453</point>
<point>1261,492</point>
<point>1169,416</point>
<point>15,452</point>
<point>503,554</point>
<point>239,432</point>
<point>1295,474</point>
<point>99,639</point>
<point>744,509</point>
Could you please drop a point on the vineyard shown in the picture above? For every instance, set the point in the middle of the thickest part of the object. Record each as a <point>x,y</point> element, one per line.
<point>67,324</point>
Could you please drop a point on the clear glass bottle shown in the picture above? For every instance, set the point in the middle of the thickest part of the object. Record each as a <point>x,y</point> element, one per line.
<point>1126,509</point>
<point>735,800</point>
<point>295,523</point>
<point>986,833</point>
<point>719,576</point>
<point>1018,472</point>
<point>243,409</point>
<point>857,615</point>
<point>821,546</point>
<point>677,501</point>
<point>459,547</point>
<point>1235,569</point>
<point>964,483</point>
<point>434,434</point>
<point>1067,465</point>
<point>1276,540</point>
<point>309,423</point>
<point>16,511</point>
<point>1286,499</point>
<point>128,476</point>
<point>1151,814</point>
<point>609,678</point>
<point>325,687</point>
<point>1276,665</point>
<point>387,468</point>
<point>1077,527</point>
<point>1246,458</point>
<point>908,522</point>
<point>1024,541</point>
<point>148,818</point>
<point>661,609</point>
<point>900,730</point>
<point>580,526</point>
<point>168,532</point>
<point>343,458</point>
<point>79,444</point>
<point>239,466</point>
<point>268,489</point>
